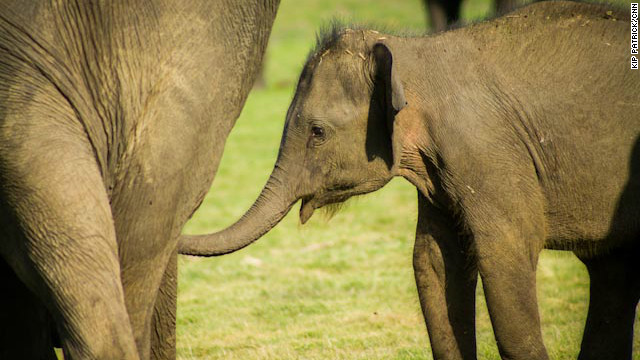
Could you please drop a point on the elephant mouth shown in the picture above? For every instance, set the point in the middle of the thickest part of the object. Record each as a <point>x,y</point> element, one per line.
<point>336,194</point>
<point>306,209</point>
<point>312,202</point>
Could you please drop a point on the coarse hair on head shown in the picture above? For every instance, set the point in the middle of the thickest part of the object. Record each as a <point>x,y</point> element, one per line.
<point>330,34</point>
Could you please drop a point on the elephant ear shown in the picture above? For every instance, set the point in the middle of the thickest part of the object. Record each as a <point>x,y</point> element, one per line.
<point>386,77</point>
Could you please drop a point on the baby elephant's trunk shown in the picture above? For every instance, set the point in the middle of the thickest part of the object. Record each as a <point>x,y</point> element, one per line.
<point>266,212</point>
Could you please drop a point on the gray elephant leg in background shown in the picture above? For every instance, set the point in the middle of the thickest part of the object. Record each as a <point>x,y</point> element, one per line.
<point>504,6</point>
<point>26,324</point>
<point>614,295</point>
<point>446,279</point>
<point>442,13</point>
<point>163,331</point>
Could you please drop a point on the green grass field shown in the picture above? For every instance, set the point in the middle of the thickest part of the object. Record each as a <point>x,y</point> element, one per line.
<point>339,289</point>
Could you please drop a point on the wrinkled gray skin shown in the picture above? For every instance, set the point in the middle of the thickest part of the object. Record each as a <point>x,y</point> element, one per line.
<point>443,13</point>
<point>520,133</point>
<point>113,116</point>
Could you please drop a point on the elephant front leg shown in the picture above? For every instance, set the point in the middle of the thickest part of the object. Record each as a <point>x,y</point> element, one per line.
<point>507,266</point>
<point>446,279</point>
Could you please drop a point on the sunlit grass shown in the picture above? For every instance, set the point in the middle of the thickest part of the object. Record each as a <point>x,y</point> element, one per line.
<point>339,289</point>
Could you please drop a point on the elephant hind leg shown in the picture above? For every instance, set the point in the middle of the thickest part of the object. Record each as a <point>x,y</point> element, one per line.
<point>59,239</point>
<point>163,332</point>
<point>614,294</point>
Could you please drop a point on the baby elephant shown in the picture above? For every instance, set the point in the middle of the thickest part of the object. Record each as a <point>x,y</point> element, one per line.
<point>519,133</point>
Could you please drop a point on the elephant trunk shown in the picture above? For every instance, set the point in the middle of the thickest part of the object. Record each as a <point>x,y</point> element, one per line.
<point>272,205</point>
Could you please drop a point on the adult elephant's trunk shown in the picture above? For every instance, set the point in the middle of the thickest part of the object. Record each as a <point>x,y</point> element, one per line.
<point>272,205</point>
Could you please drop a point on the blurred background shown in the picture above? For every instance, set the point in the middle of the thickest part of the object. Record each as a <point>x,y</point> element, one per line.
<point>338,289</point>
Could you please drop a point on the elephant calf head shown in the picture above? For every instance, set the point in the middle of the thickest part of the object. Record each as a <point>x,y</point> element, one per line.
<point>337,138</point>
<point>336,141</point>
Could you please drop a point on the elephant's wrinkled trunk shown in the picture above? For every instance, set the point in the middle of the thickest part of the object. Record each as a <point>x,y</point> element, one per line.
<point>272,205</point>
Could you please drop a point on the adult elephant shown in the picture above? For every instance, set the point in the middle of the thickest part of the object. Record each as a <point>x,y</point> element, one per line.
<point>113,117</point>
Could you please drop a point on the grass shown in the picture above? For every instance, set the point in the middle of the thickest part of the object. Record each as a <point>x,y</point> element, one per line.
<point>342,289</point>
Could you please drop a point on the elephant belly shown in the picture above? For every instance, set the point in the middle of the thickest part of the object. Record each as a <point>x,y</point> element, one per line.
<point>594,221</point>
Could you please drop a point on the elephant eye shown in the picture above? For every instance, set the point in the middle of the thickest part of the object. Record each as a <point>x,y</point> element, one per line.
<point>317,131</point>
